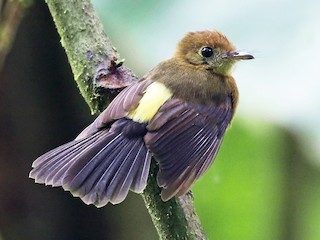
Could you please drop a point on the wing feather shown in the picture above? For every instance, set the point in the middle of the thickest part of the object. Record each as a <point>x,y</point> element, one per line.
<point>186,144</point>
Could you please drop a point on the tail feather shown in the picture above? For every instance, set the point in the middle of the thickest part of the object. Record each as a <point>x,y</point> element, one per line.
<point>53,171</point>
<point>61,151</point>
<point>95,176</point>
<point>56,176</point>
<point>114,184</point>
<point>124,178</point>
<point>46,166</point>
<point>99,169</point>
<point>88,169</point>
<point>140,179</point>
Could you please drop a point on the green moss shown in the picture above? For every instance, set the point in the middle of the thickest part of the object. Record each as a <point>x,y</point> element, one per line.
<point>168,217</point>
<point>85,43</point>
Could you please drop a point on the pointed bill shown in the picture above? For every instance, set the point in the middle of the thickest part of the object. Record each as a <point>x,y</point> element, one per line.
<point>238,56</point>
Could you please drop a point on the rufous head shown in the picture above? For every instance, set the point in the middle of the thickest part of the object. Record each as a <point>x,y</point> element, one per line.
<point>210,50</point>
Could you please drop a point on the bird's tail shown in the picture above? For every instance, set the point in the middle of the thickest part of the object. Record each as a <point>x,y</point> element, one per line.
<point>99,169</point>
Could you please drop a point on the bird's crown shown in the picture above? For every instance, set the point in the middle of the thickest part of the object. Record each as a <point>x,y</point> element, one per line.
<point>210,50</point>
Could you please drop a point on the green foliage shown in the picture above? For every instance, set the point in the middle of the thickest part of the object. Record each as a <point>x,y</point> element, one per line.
<point>256,188</point>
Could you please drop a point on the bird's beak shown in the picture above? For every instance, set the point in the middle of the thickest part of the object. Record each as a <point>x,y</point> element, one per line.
<point>238,56</point>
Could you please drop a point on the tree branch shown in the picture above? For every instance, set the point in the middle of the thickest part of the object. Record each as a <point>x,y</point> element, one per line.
<point>175,219</point>
<point>98,72</point>
<point>94,61</point>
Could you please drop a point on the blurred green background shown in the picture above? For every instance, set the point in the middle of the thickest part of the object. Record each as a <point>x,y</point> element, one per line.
<point>265,181</point>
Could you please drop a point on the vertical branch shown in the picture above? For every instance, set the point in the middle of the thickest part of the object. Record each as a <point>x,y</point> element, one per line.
<point>98,72</point>
<point>94,61</point>
<point>175,219</point>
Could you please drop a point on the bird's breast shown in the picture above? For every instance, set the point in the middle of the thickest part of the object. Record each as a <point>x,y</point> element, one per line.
<point>193,83</point>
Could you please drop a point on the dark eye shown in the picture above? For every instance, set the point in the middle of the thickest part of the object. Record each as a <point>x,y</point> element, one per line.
<point>206,52</point>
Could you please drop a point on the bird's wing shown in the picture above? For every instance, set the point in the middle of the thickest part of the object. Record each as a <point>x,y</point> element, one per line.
<point>125,101</point>
<point>184,138</point>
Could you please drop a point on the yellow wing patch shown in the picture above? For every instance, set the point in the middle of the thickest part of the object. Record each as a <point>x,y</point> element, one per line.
<point>154,97</point>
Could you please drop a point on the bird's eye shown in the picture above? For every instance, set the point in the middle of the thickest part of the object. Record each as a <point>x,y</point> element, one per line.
<point>206,52</point>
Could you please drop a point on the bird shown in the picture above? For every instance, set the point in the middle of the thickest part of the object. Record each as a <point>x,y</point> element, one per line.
<point>177,113</point>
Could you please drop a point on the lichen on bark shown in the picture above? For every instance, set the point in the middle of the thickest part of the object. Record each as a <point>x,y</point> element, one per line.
<point>93,59</point>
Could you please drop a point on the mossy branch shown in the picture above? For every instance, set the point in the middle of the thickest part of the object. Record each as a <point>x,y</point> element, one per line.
<point>95,63</point>
<point>100,75</point>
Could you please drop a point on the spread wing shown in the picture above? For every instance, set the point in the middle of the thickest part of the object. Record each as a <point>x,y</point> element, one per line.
<point>185,138</point>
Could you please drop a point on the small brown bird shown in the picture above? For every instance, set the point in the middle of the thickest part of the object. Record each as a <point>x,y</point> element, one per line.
<point>177,113</point>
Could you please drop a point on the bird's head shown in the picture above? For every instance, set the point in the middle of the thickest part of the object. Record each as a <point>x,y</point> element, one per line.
<point>210,50</point>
